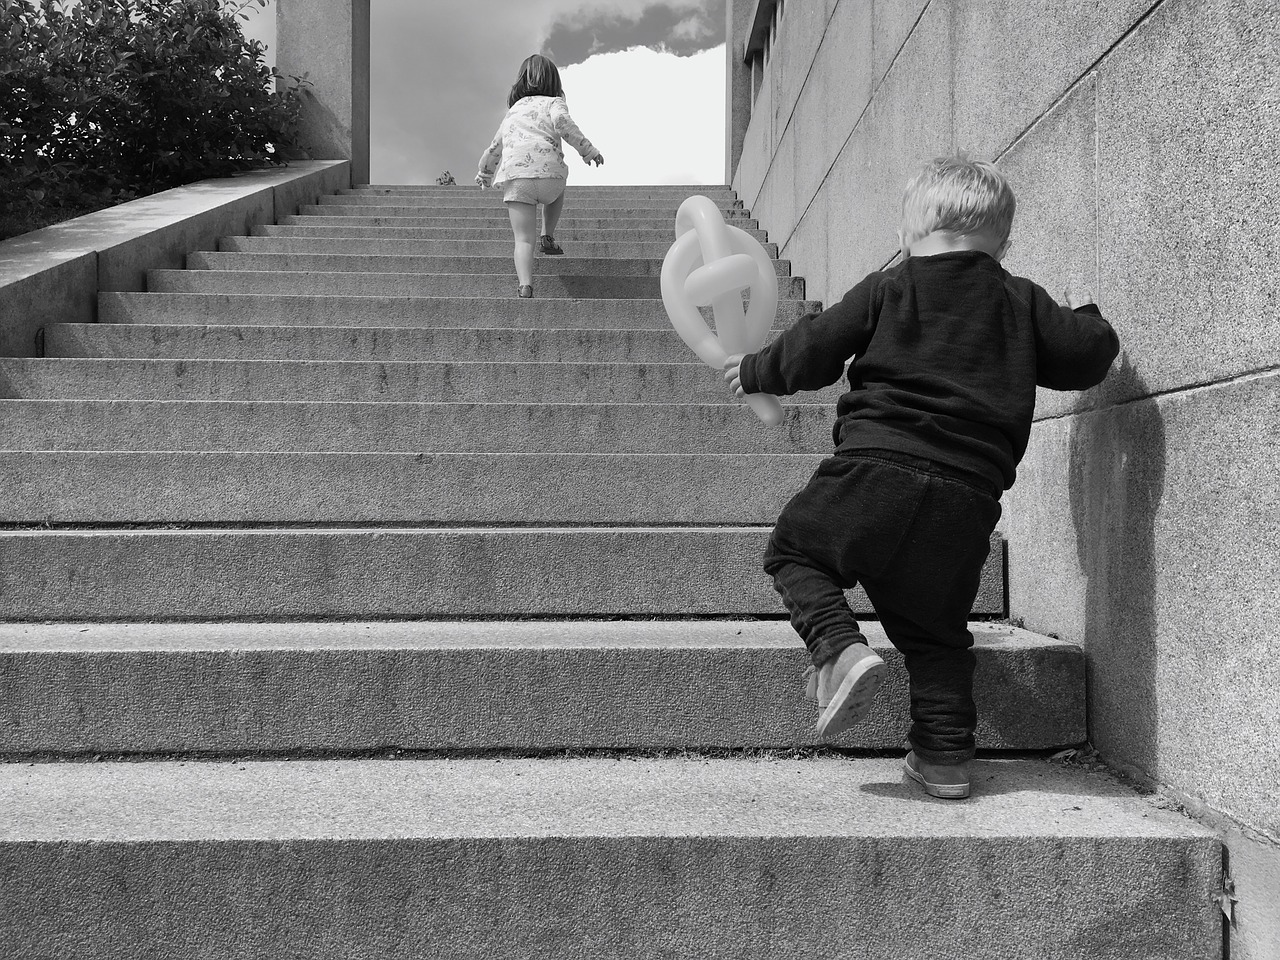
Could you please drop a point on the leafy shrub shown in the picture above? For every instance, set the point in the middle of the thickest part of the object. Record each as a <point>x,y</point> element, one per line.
<point>446,180</point>
<point>108,100</point>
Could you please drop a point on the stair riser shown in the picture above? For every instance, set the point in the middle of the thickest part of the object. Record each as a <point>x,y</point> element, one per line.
<point>174,341</point>
<point>125,379</point>
<point>634,228</point>
<point>352,262</point>
<point>394,574</point>
<point>488,202</point>
<point>505,312</point>
<point>601,897</point>
<point>418,285</point>
<point>663,210</point>
<point>282,242</point>
<point>421,428</point>
<point>467,188</point>
<point>267,489</point>
<point>402,228</point>
<point>482,690</point>
<point>594,217</point>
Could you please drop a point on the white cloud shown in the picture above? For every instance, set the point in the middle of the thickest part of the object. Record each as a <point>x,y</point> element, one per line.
<point>658,118</point>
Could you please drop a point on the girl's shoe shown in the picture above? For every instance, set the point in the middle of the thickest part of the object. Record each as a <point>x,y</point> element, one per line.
<point>525,291</point>
<point>549,246</point>
<point>845,686</point>
<point>944,781</point>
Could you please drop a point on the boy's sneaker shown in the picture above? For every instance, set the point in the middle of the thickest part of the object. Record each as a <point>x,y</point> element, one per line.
<point>844,688</point>
<point>944,781</point>
<point>549,246</point>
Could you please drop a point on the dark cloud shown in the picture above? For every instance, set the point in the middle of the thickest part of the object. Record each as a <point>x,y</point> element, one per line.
<point>682,28</point>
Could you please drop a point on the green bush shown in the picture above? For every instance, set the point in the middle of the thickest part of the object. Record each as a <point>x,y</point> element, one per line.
<point>108,100</point>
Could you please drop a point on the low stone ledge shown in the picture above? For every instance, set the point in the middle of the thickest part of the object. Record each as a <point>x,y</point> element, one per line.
<point>55,274</point>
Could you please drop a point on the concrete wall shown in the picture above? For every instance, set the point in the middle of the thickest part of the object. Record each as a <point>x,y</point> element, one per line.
<point>327,41</point>
<point>54,275</point>
<point>1140,138</point>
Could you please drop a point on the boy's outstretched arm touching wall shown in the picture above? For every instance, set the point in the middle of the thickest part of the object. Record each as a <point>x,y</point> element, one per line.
<point>1074,344</point>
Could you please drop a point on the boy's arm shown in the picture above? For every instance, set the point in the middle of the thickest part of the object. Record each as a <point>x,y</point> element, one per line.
<point>569,131</point>
<point>1074,344</point>
<point>812,354</point>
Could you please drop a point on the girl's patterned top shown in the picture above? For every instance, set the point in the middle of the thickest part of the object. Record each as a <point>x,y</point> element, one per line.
<point>528,142</point>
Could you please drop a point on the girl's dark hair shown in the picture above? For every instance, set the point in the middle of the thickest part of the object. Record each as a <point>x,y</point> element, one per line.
<point>538,77</point>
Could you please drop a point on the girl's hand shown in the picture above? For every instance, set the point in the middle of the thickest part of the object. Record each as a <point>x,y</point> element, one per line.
<point>733,374</point>
<point>483,181</point>
<point>598,160</point>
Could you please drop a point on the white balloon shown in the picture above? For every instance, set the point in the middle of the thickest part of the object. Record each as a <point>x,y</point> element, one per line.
<point>710,264</point>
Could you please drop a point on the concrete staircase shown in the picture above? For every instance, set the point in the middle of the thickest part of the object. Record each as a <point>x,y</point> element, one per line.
<point>355,608</point>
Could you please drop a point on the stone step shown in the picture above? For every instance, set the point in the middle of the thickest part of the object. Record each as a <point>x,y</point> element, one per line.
<point>599,218</point>
<point>284,242</point>
<point>550,286</point>
<point>571,228</point>
<point>237,342</point>
<point>248,425</point>
<point>400,573</point>
<point>424,228</point>
<point>530,686</point>
<point>589,190</point>
<point>478,266</point>
<point>590,857</point>
<point>491,201</point>
<point>31,378</point>
<point>504,312</point>
<point>270,488</point>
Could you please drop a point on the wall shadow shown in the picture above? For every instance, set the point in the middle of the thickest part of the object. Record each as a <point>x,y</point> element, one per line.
<point>1116,483</point>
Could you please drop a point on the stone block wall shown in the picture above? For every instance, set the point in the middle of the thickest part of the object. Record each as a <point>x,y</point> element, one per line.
<point>1140,138</point>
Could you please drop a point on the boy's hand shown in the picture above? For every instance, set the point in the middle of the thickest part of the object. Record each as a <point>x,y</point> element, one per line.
<point>733,374</point>
<point>598,160</point>
<point>1078,296</point>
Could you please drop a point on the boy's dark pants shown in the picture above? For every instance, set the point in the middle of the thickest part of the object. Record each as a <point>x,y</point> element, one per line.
<point>916,538</point>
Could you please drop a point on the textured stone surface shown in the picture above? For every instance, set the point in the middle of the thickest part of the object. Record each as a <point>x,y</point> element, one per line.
<point>1254,867</point>
<point>1188,192</point>
<point>1013,58</point>
<point>667,428</point>
<point>445,228</point>
<point>387,311</point>
<point>282,242</point>
<point>549,286</point>
<point>720,858</point>
<point>353,687</point>
<point>40,282</point>
<point>351,262</point>
<point>1147,532</point>
<point>278,488</point>
<point>473,382</point>
<point>398,573</point>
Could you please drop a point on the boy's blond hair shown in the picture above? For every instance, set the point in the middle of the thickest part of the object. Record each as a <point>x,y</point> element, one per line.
<point>960,195</point>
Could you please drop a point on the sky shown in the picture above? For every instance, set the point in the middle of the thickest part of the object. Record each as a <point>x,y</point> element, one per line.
<point>644,80</point>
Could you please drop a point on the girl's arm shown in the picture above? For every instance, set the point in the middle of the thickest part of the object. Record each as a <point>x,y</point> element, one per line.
<point>489,160</point>
<point>569,131</point>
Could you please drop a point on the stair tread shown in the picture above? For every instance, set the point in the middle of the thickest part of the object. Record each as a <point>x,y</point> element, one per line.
<point>495,798</point>
<point>95,637</point>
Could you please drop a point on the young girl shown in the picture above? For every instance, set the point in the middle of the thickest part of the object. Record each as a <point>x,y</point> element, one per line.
<point>533,168</point>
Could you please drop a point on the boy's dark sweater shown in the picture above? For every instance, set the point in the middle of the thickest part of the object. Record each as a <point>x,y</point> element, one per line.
<point>948,352</point>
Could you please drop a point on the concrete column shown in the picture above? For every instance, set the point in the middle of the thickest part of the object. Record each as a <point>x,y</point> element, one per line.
<point>738,17</point>
<point>328,42</point>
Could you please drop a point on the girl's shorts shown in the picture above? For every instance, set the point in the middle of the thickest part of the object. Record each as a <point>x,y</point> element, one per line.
<point>534,190</point>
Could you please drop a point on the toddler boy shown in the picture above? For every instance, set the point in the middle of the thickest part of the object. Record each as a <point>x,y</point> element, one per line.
<point>947,349</point>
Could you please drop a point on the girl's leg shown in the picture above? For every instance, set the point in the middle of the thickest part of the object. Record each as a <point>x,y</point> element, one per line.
<point>523,226</point>
<point>551,216</point>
